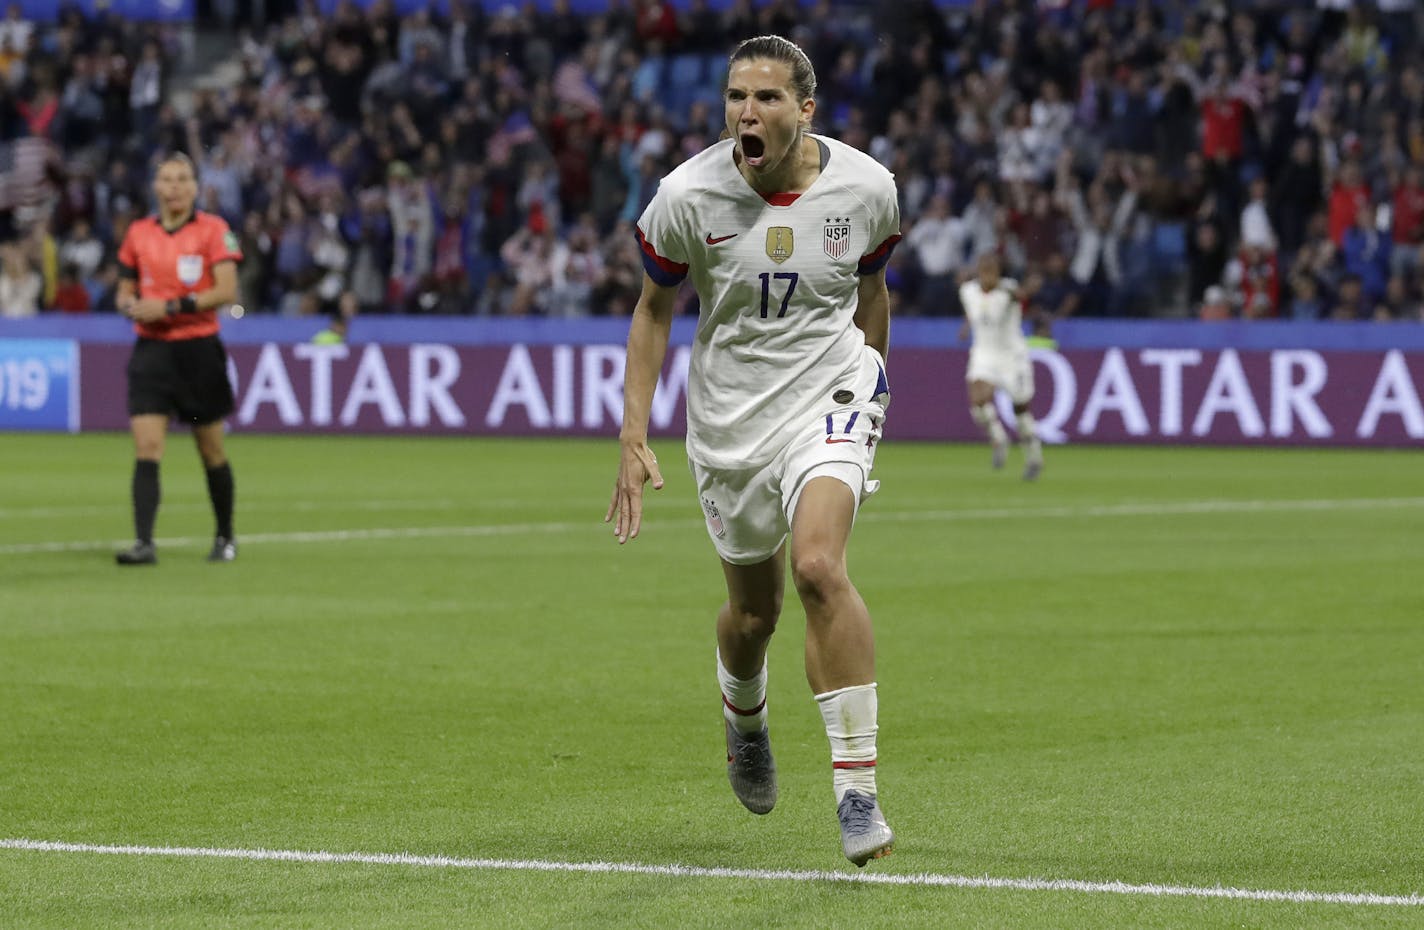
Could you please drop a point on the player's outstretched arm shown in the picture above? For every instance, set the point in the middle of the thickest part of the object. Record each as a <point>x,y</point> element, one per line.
<point>647,344</point>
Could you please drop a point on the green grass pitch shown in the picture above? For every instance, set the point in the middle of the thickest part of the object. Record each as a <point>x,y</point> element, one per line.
<point>1186,667</point>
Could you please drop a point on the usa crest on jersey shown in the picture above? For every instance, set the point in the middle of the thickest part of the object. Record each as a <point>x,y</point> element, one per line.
<point>836,238</point>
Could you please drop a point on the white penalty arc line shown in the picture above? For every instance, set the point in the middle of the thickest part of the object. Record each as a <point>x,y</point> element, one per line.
<point>1183,508</point>
<point>689,871</point>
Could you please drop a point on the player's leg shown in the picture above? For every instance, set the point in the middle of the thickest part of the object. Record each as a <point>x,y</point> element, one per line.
<point>221,488</point>
<point>840,651</point>
<point>747,527</point>
<point>149,431</point>
<point>1027,425</point>
<point>981,408</point>
<point>744,628</point>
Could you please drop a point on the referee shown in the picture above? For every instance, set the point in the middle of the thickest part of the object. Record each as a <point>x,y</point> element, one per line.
<point>176,269</point>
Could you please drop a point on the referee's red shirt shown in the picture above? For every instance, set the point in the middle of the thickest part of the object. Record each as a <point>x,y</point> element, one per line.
<point>168,265</point>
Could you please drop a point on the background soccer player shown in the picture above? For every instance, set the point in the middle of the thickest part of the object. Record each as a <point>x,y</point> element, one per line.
<point>998,358</point>
<point>785,236</point>
<point>177,268</point>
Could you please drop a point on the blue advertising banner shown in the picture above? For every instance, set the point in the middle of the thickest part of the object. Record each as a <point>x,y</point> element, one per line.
<point>39,384</point>
<point>47,11</point>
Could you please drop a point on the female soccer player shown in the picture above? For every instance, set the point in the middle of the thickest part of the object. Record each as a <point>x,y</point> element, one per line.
<point>998,358</point>
<point>785,235</point>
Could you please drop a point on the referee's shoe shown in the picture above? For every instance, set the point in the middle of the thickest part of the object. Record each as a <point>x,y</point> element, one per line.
<point>140,553</point>
<point>224,550</point>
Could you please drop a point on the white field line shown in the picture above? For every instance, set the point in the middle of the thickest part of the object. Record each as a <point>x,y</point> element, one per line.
<point>84,510</point>
<point>1182,508</point>
<point>688,871</point>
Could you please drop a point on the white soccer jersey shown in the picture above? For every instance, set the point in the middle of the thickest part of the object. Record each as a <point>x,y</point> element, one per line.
<point>777,278</point>
<point>996,318</point>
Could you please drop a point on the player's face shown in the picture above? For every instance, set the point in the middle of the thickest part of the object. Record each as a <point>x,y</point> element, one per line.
<point>763,114</point>
<point>988,273</point>
<point>175,187</point>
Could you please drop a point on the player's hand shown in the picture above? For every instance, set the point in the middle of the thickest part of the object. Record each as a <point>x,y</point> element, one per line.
<point>637,466</point>
<point>147,310</point>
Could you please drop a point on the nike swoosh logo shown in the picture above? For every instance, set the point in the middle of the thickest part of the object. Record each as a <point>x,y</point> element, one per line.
<point>711,241</point>
<point>830,441</point>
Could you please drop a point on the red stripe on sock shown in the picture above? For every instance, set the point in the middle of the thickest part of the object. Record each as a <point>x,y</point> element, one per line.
<point>743,713</point>
<point>853,765</point>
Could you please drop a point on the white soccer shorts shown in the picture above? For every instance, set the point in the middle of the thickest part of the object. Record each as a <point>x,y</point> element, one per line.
<point>1011,374</point>
<point>749,512</point>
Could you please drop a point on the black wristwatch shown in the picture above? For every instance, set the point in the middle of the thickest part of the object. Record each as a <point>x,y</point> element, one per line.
<point>184,304</point>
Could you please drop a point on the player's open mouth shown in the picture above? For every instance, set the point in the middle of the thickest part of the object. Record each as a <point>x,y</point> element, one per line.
<point>753,149</point>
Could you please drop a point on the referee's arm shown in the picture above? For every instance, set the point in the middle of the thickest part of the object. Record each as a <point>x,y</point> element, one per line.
<point>224,289</point>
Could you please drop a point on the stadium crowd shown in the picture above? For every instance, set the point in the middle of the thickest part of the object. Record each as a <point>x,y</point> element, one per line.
<point>1170,158</point>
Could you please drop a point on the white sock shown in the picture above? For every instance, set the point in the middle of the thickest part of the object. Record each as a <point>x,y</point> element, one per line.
<point>988,419</point>
<point>1028,427</point>
<point>849,714</point>
<point>743,702</point>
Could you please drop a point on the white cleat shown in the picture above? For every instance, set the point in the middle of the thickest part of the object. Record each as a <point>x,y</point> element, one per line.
<point>1001,454</point>
<point>1033,460</point>
<point>864,833</point>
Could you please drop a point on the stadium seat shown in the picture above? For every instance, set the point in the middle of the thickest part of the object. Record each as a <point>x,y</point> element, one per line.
<point>648,79</point>
<point>1169,243</point>
<point>685,72</point>
<point>715,69</point>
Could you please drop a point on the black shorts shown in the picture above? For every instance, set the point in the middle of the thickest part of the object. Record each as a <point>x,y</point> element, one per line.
<point>183,378</point>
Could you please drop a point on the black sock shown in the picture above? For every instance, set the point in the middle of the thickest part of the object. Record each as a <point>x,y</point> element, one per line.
<point>220,492</point>
<point>145,498</point>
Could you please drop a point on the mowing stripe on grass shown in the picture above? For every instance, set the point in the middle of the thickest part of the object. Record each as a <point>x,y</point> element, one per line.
<point>1180,508</point>
<point>688,871</point>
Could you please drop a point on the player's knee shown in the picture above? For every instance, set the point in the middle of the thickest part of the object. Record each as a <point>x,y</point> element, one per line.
<point>147,449</point>
<point>755,618</point>
<point>817,575</point>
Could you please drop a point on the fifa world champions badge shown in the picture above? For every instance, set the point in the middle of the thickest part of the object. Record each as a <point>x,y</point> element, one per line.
<point>780,243</point>
<point>836,238</point>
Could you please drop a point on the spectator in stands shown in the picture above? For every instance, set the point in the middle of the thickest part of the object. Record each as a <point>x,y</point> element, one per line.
<point>1207,258</point>
<point>146,90</point>
<point>1350,303</point>
<point>1408,222</point>
<point>1053,293</point>
<point>1253,281</point>
<point>1100,226</point>
<point>1256,230</point>
<point>1401,301</point>
<point>16,31</point>
<point>412,231</point>
<point>531,255</point>
<point>1215,304</point>
<point>70,296</point>
<point>939,240</point>
<point>20,284</point>
<point>578,272</point>
<point>1297,194</point>
<point>1348,195</point>
<point>1306,302</point>
<point>1365,252</point>
<point>82,249</point>
<point>623,272</point>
